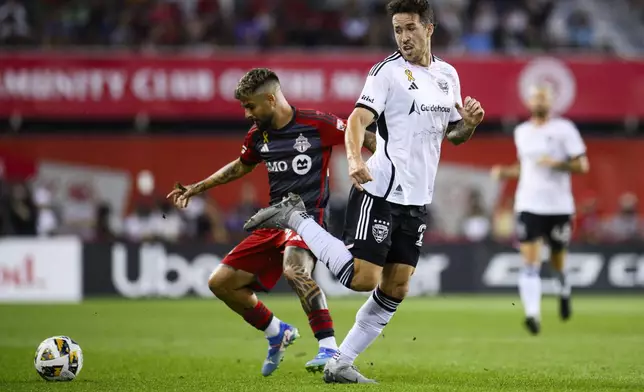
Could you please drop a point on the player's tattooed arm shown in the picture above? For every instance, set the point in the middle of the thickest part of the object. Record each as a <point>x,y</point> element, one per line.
<point>298,268</point>
<point>578,164</point>
<point>369,141</point>
<point>459,132</point>
<point>472,114</point>
<point>232,171</point>
<point>181,195</point>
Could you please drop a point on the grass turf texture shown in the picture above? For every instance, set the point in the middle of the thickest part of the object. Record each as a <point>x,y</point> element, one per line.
<point>432,344</point>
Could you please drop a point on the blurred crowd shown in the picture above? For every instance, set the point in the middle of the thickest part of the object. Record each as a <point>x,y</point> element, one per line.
<point>475,26</point>
<point>28,210</point>
<point>637,7</point>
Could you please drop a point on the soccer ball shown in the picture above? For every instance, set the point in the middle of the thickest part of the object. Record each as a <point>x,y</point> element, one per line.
<point>58,358</point>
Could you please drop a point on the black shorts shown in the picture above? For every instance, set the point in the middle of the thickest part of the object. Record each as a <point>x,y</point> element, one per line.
<point>381,232</point>
<point>556,230</point>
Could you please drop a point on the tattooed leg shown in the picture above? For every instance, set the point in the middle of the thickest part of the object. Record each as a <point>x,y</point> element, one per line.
<point>298,267</point>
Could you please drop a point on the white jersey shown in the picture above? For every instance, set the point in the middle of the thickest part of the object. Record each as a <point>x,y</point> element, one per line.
<point>413,106</point>
<point>542,190</point>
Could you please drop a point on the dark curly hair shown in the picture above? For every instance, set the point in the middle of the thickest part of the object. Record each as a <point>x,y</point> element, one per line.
<point>420,7</point>
<point>253,80</point>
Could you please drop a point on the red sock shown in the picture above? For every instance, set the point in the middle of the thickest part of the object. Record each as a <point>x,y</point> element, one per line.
<point>259,316</point>
<point>321,323</point>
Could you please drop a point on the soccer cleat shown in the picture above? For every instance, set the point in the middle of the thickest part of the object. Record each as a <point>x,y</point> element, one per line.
<point>565,310</point>
<point>277,215</point>
<point>532,324</point>
<point>337,372</point>
<point>317,364</point>
<point>277,346</point>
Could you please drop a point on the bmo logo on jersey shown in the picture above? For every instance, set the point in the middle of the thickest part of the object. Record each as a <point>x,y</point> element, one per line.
<point>276,167</point>
<point>302,164</point>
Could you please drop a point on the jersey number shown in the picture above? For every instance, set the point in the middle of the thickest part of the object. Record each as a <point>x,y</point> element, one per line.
<point>421,233</point>
<point>562,233</point>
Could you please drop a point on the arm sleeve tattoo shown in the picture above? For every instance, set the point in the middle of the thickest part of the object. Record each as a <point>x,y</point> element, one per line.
<point>458,132</point>
<point>369,141</point>
<point>232,171</point>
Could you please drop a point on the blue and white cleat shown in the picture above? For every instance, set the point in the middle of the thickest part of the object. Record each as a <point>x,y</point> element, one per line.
<point>277,347</point>
<point>317,364</point>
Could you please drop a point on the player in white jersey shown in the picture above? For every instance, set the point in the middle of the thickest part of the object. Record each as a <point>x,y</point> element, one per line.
<point>415,99</point>
<point>549,149</point>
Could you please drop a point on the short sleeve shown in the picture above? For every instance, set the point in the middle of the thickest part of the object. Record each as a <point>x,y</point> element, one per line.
<point>454,116</point>
<point>375,91</point>
<point>249,155</point>
<point>573,143</point>
<point>331,130</point>
<point>517,146</point>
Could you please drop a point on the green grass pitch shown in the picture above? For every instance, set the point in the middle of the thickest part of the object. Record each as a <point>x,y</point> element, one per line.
<point>466,343</point>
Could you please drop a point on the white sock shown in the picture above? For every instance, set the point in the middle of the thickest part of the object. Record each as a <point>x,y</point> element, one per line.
<point>530,290</point>
<point>371,319</point>
<point>273,328</point>
<point>328,343</point>
<point>328,249</point>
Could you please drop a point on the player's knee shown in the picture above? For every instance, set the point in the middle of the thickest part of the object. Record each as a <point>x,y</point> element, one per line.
<point>365,282</point>
<point>400,291</point>
<point>218,283</point>
<point>395,289</point>
<point>366,275</point>
<point>531,252</point>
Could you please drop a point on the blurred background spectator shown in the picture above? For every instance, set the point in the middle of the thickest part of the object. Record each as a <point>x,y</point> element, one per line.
<point>626,224</point>
<point>476,226</point>
<point>475,26</point>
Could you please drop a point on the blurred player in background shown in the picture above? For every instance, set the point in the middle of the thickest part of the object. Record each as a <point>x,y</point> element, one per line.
<point>295,145</point>
<point>549,149</point>
<point>415,100</point>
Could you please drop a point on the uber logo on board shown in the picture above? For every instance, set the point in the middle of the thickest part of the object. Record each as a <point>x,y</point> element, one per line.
<point>155,267</point>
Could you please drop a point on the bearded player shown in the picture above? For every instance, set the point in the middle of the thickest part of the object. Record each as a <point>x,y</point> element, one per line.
<point>295,145</point>
<point>415,100</point>
<point>550,149</point>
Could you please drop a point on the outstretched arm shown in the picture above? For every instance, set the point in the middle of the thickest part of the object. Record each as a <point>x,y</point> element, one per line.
<point>232,171</point>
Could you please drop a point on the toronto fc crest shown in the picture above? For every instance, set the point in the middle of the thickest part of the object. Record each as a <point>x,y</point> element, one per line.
<point>301,144</point>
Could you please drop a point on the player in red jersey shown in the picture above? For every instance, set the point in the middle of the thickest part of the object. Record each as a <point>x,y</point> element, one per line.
<point>296,147</point>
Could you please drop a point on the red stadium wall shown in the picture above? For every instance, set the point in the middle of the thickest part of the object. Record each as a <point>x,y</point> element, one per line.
<point>615,164</point>
<point>123,85</point>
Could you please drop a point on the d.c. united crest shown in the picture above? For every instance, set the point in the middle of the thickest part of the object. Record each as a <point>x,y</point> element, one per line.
<point>443,85</point>
<point>380,230</point>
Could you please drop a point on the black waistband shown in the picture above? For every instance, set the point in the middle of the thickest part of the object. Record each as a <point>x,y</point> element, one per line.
<point>414,211</point>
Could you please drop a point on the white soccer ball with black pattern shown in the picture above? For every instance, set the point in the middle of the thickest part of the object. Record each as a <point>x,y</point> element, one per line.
<point>58,358</point>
